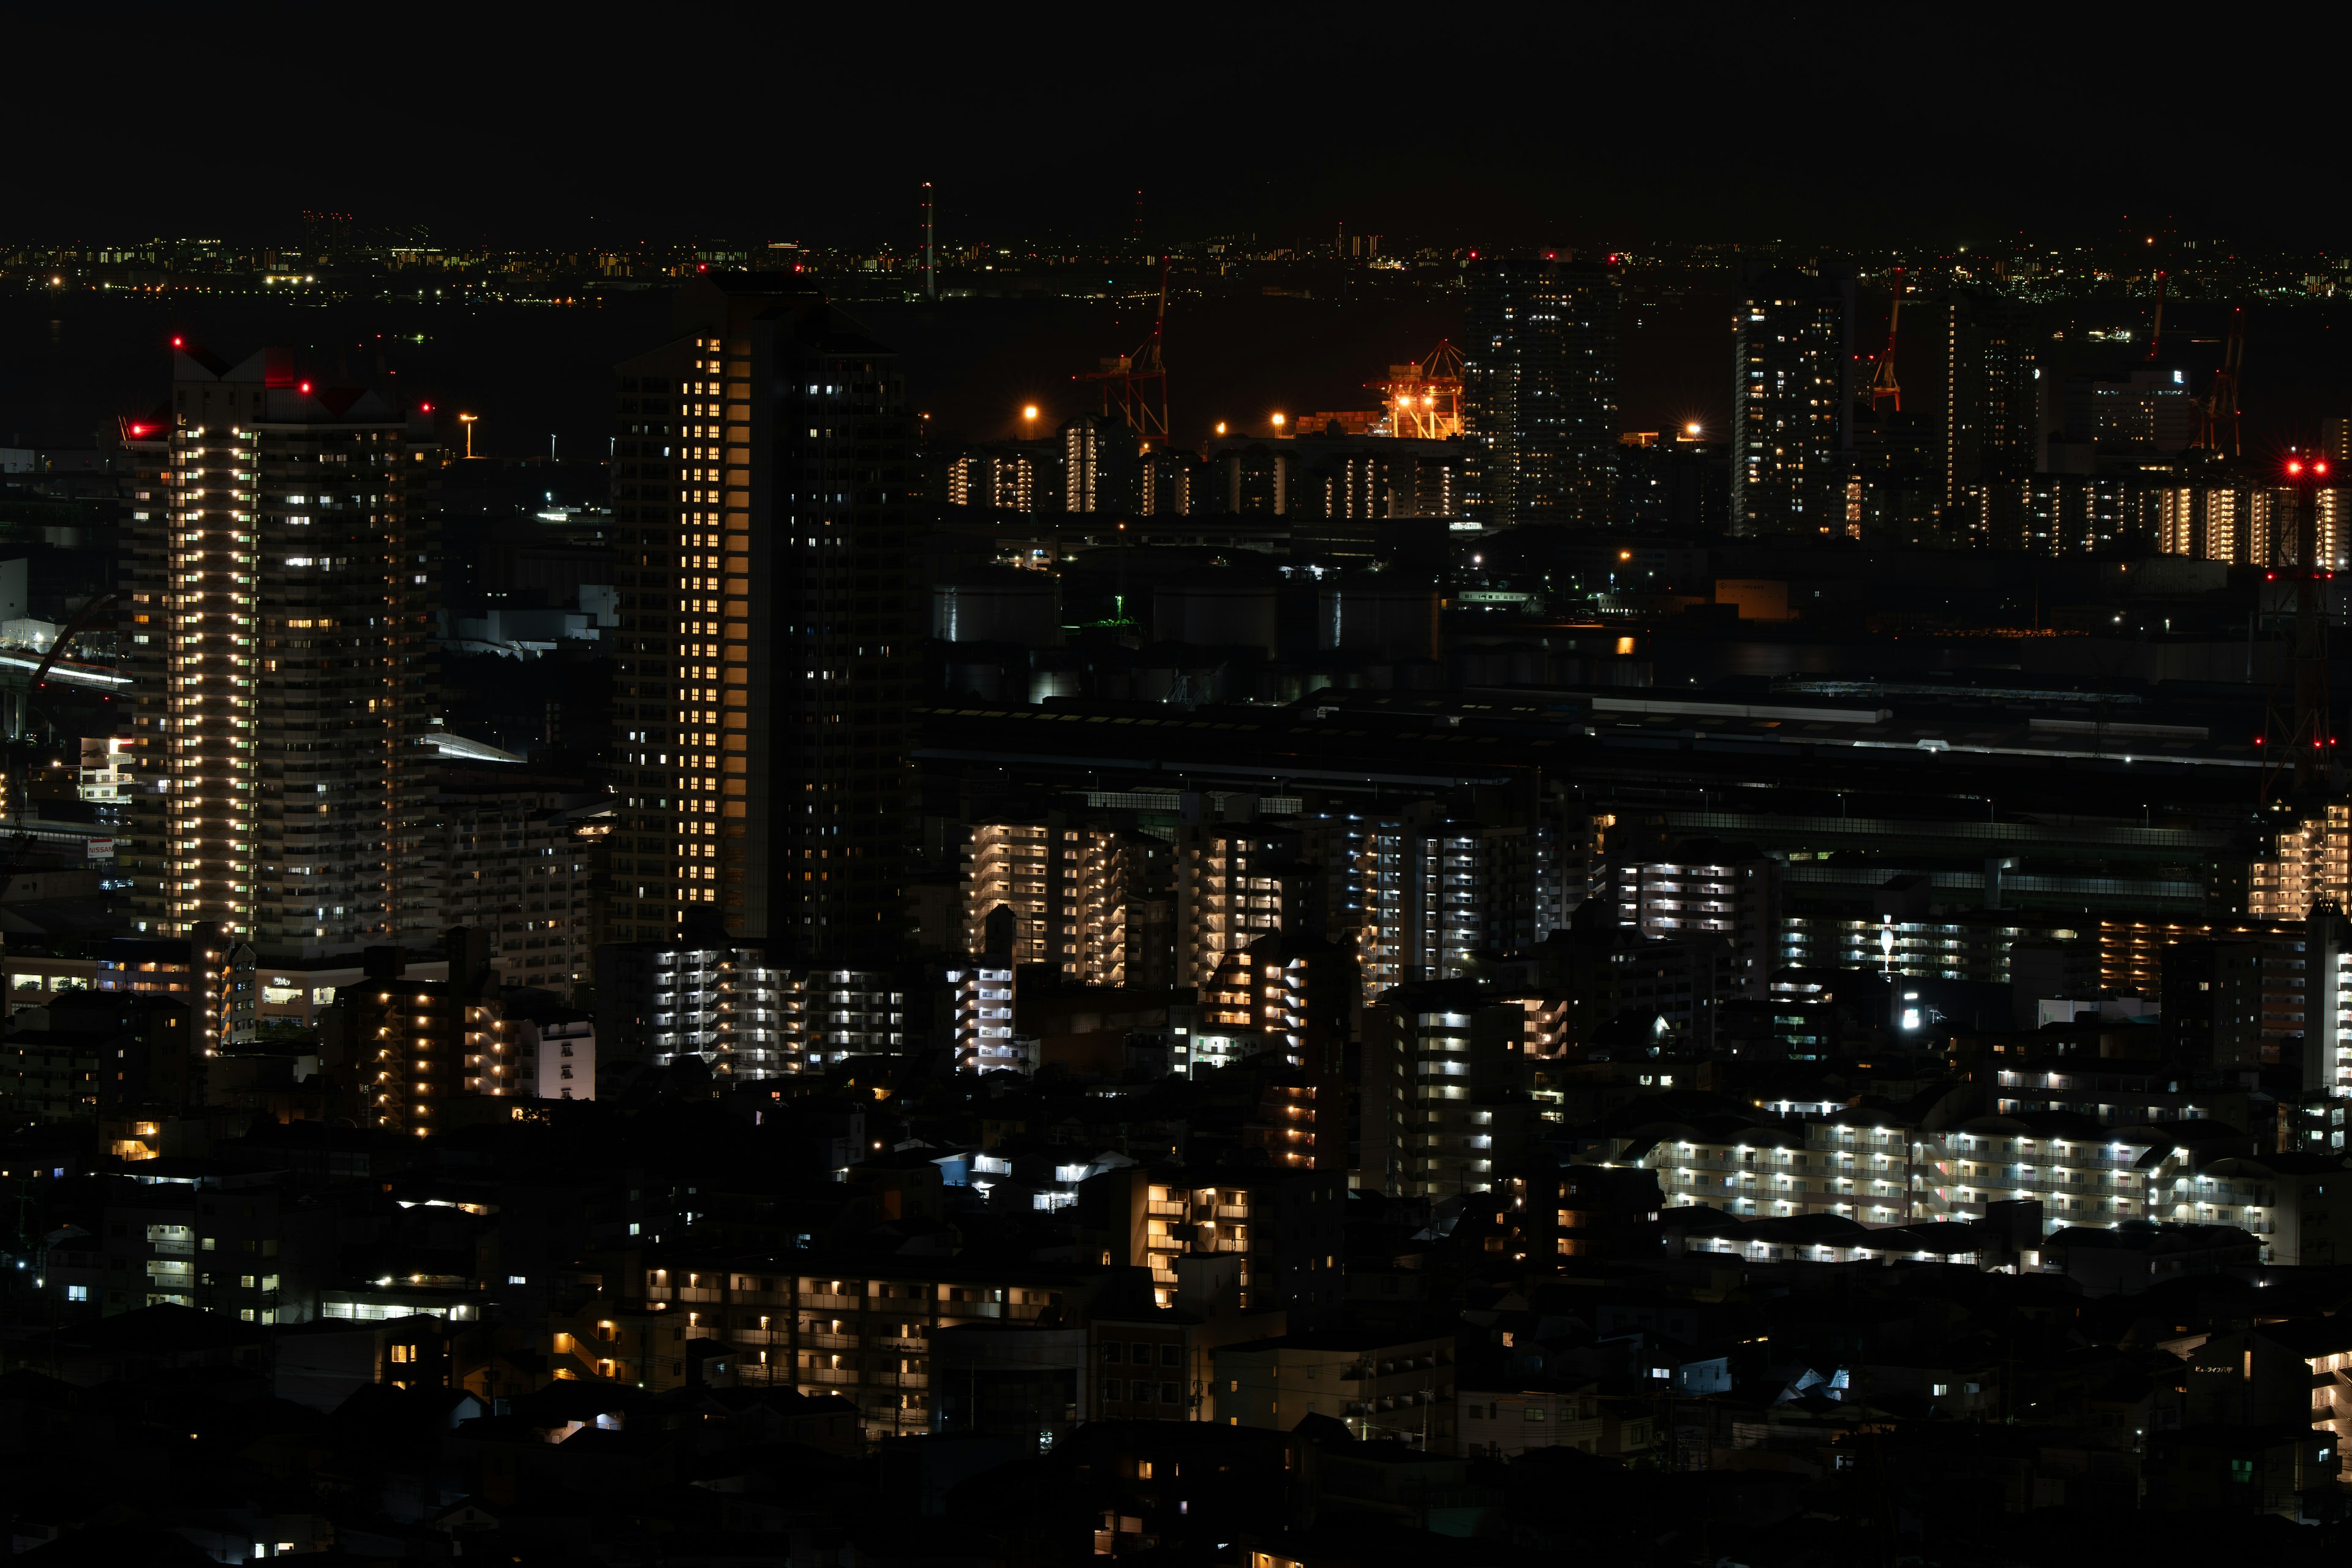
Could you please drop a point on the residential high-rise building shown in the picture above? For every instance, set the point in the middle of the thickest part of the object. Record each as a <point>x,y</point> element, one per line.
<point>1991,417</point>
<point>1729,890</point>
<point>763,499</point>
<point>274,631</point>
<point>2313,864</point>
<point>516,859</point>
<point>1421,894</point>
<point>1066,886</point>
<point>1233,885</point>
<point>1442,1088</point>
<point>407,1047</point>
<point>1791,403</point>
<point>1539,390</point>
<point>751,1015</point>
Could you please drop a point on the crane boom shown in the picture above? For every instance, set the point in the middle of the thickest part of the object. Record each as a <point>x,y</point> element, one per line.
<point>1130,381</point>
<point>1883,387</point>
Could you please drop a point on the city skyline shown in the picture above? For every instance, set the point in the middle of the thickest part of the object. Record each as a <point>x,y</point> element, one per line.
<point>1359,789</point>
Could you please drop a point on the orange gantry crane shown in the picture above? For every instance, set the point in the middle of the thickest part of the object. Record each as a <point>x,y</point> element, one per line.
<point>1135,386</point>
<point>1425,400</point>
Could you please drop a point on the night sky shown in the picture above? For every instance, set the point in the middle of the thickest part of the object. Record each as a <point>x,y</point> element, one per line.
<point>1456,126</point>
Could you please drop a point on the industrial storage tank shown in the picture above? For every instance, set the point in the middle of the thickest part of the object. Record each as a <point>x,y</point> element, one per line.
<point>1214,613</point>
<point>1008,606</point>
<point>1387,623</point>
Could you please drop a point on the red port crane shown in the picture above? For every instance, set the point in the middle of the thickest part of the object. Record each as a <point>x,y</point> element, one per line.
<point>2217,413</point>
<point>1135,386</point>
<point>1883,387</point>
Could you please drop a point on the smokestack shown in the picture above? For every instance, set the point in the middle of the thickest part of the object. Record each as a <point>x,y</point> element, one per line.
<point>930,277</point>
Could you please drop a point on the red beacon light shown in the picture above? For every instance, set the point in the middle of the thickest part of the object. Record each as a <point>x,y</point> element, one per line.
<point>2295,465</point>
<point>2319,466</point>
<point>179,342</point>
<point>306,389</point>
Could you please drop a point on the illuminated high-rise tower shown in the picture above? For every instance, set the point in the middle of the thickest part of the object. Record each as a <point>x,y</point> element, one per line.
<point>1792,405</point>
<point>274,623</point>
<point>764,495</point>
<point>1539,390</point>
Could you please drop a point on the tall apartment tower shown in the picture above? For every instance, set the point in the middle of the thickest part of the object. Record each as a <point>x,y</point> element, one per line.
<point>1064,885</point>
<point>1540,391</point>
<point>274,629</point>
<point>1791,403</point>
<point>764,494</point>
<point>1992,416</point>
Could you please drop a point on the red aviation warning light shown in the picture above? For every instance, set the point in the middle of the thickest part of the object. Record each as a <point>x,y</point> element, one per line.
<point>2319,467</point>
<point>2295,467</point>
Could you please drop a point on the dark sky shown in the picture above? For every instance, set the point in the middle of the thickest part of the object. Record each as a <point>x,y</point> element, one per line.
<point>1444,124</point>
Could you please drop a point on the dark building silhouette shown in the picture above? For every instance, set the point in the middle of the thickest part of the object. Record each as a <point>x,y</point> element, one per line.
<point>1539,389</point>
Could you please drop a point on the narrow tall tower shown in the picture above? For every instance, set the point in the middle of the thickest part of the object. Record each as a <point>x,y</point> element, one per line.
<point>931,276</point>
<point>274,627</point>
<point>1539,390</point>
<point>764,497</point>
<point>1792,410</point>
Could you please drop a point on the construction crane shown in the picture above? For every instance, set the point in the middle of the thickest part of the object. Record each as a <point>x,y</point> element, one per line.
<point>1884,388</point>
<point>1135,386</point>
<point>1425,399</point>
<point>2217,412</point>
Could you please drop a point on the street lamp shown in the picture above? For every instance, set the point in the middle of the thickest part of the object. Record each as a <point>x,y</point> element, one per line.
<point>1029,421</point>
<point>1278,422</point>
<point>468,421</point>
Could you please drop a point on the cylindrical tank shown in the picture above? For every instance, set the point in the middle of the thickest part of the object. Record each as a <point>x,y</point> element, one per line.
<point>1378,623</point>
<point>1022,607</point>
<point>1214,615</point>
